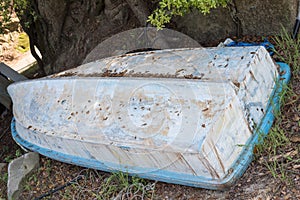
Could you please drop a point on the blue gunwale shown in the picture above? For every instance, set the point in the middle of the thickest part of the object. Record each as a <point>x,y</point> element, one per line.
<point>238,168</point>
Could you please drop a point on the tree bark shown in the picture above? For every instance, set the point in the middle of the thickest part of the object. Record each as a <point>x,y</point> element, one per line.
<point>140,10</point>
<point>66,31</point>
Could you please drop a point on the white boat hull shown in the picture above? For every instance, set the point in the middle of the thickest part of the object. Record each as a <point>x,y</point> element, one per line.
<point>193,124</point>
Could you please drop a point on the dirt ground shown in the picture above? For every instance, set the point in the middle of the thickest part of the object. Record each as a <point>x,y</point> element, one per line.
<point>257,182</point>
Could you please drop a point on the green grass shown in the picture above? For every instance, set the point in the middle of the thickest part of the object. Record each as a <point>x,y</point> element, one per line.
<point>88,184</point>
<point>4,177</point>
<point>122,185</point>
<point>3,183</point>
<point>288,50</point>
<point>9,158</point>
<point>268,152</point>
<point>275,151</point>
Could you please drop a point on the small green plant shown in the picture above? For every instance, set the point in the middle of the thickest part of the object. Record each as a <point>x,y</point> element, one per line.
<point>269,145</point>
<point>288,50</point>
<point>31,180</point>
<point>272,152</point>
<point>8,158</point>
<point>170,8</point>
<point>273,141</point>
<point>48,166</point>
<point>4,177</point>
<point>269,150</point>
<point>122,185</point>
<point>18,153</point>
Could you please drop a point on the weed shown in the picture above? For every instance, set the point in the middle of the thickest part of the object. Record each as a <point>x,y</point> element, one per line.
<point>90,183</point>
<point>18,153</point>
<point>10,157</point>
<point>27,186</point>
<point>273,141</point>
<point>4,177</point>
<point>123,186</point>
<point>288,50</point>
<point>270,152</point>
<point>48,166</point>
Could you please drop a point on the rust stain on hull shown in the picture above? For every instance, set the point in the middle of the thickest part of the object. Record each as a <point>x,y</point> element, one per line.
<point>184,112</point>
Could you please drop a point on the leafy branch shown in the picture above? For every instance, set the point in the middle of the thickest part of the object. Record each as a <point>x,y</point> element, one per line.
<point>170,8</point>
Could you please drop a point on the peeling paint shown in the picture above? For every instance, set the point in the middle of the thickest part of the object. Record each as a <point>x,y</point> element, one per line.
<point>183,111</point>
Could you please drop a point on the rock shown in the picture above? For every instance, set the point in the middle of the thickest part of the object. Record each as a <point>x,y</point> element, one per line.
<point>18,170</point>
<point>241,17</point>
<point>266,17</point>
<point>140,39</point>
<point>207,28</point>
<point>66,32</point>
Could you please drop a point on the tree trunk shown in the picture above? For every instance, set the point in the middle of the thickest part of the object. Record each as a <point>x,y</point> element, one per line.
<point>66,31</point>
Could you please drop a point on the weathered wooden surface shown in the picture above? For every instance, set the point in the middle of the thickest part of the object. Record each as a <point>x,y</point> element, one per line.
<point>182,115</point>
<point>9,76</point>
<point>10,73</point>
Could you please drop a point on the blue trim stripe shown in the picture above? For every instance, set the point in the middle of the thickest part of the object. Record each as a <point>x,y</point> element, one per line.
<point>238,168</point>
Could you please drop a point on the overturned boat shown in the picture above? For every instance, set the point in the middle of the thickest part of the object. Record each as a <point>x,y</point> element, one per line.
<point>184,116</point>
